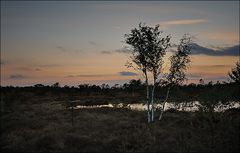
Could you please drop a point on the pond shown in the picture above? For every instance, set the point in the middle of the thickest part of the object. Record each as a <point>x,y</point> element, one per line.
<point>184,106</point>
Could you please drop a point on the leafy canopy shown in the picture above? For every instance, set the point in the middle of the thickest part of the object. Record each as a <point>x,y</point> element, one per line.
<point>148,48</point>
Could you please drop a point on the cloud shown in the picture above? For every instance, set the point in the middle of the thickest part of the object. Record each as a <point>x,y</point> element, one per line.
<point>17,76</point>
<point>37,69</point>
<point>193,75</point>
<point>182,22</point>
<point>217,47</point>
<point>88,75</point>
<point>3,62</point>
<point>196,50</point>
<point>67,50</point>
<point>229,51</point>
<point>117,27</point>
<point>125,73</point>
<point>229,37</point>
<point>50,65</point>
<point>23,68</point>
<point>93,43</point>
<point>106,52</point>
<point>124,50</point>
<point>78,51</point>
<point>212,66</point>
<point>61,48</point>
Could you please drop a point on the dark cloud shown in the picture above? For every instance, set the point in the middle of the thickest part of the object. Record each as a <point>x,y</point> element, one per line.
<point>17,76</point>
<point>37,69</point>
<point>125,73</point>
<point>215,47</point>
<point>230,51</point>
<point>218,51</point>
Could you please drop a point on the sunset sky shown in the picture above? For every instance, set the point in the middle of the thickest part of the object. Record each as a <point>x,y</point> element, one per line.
<point>80,42</point>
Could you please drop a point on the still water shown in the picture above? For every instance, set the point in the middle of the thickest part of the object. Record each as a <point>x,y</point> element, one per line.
<point>186,106</point>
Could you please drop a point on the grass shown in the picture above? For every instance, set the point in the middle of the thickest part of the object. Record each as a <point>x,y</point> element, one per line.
<point>40,126</point>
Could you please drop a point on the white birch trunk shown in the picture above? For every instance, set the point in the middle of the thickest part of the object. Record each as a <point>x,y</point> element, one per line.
<point>160,116</point>
<point>148,109</point>
<point>152,102</point>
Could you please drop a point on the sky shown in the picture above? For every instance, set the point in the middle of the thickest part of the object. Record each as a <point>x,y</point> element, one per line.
<point>79,42</point>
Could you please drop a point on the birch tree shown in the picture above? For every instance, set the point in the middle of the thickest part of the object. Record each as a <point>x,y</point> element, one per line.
<point>137,40</point>
<point>148,50</point>
<point>157,50</point>
<point>179,64</point>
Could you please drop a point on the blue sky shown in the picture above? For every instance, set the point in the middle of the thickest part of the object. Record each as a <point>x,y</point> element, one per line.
<point>68,38</point>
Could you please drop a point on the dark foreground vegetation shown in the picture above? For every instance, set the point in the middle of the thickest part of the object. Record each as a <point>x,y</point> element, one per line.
<point>41,126</point>
<point>35,119</point>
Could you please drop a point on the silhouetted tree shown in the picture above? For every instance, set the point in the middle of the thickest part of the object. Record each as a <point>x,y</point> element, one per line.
<point>179,64</point>
<point>148,48</point>
<point>201,82</point>
<point>157,46</point>
<point>134,85</point>
<point>235,73</point>
<point>104,86</point>
<point>56,85</point>
<point>38,85</point>
<point>137,39</point>
<point>210,83</point>
<point>115,86</point>
<point>66,87</point>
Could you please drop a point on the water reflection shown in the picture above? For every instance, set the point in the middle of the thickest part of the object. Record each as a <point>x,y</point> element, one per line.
<point>185,106</point>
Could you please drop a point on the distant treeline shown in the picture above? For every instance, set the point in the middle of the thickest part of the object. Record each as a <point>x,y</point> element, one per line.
<point>135,89</point>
